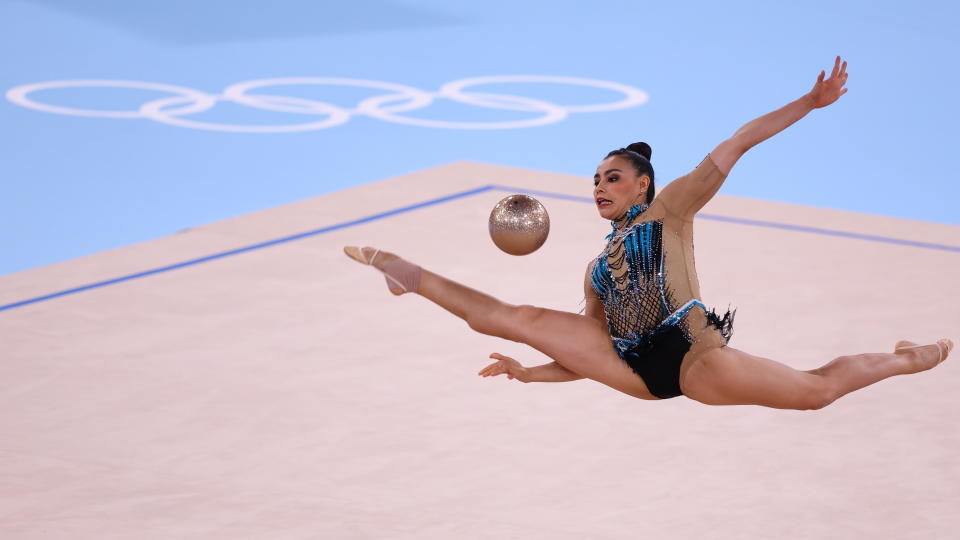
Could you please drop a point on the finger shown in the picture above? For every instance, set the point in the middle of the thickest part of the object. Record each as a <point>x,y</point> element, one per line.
<point>843,69</point>
<point>836,68</point>
<point>820,78</point>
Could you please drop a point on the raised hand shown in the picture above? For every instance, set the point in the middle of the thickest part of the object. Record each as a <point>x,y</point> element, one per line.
<point>504,365</point>
<point>826,92</point>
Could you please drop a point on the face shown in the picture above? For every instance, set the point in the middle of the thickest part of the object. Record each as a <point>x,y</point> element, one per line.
<point>617,187</point>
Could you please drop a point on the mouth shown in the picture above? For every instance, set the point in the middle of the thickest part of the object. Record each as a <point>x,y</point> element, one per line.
<point>603,203</point>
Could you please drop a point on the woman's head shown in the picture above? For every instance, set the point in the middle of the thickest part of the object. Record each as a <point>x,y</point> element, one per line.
<point>623,179</point>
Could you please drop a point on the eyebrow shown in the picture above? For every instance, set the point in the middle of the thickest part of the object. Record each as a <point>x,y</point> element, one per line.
<point>607,172</point>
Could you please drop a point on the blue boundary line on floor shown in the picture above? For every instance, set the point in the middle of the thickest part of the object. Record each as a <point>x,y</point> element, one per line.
<point>768,224</point>
<point>253,247</point>
<point>460,195</point>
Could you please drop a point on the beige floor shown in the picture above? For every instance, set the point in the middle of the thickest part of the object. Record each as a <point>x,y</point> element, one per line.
<point>282,393</point>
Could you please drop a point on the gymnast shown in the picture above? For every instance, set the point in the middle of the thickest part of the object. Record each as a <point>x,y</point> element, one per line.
<point>644,330</point>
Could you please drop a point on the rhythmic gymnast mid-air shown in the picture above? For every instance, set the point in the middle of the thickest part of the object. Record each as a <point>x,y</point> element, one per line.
<point>645,331</point>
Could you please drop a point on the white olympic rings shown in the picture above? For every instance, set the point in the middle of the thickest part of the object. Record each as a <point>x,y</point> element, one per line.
<point>387,107</point>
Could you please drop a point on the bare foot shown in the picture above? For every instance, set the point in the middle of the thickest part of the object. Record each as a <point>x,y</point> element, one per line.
<point>923,357</point>
<point>398,273</point>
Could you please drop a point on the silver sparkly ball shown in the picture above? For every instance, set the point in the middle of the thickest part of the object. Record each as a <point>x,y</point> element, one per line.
<point>519,224</point>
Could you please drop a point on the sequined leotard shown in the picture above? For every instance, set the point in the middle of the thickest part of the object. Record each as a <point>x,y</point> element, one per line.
<point>646,280</point>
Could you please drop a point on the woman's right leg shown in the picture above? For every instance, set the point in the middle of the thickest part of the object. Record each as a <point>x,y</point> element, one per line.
<point>578,343</point>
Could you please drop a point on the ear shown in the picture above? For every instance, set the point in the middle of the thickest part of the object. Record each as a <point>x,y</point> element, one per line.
<point>645,182</point>
<point>645,188</point>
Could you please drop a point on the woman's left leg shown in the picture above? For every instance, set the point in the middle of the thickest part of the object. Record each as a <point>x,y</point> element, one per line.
<point>727,376</point>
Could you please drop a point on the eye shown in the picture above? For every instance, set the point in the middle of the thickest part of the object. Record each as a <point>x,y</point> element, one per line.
<point>612,179</point>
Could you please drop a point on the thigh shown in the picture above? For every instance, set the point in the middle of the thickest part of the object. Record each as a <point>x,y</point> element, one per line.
<point>727,376</point>
<point>579,343</point>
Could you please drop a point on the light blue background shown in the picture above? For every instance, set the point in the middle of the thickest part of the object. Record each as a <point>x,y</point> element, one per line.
<point>71,186</point>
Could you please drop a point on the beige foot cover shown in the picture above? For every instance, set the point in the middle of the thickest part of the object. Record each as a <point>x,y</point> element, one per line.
<point>943,345</point>
<point>401,273</point>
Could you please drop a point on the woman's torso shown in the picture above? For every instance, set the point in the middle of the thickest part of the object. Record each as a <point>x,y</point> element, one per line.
<point>647,270</point>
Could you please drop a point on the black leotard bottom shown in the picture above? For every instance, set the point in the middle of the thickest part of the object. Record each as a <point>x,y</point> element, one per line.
<point>657,356</point>
<point>657,360</point>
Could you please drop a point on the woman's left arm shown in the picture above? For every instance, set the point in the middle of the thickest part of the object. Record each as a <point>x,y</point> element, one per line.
<point>552,372</point>
<point>686,195</point>
<point>824,92</point>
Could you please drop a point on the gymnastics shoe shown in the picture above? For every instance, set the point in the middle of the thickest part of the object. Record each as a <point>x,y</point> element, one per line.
<point>402,276</point>
<point>944,346</point>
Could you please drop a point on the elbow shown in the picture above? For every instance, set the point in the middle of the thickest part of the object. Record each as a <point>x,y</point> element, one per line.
<point>727,153</point>
<point>738,145</point>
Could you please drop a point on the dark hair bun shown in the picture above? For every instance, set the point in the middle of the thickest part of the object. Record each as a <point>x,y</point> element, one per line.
<point>641,148</point>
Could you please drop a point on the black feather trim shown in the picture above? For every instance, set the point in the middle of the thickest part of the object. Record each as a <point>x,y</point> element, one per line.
<point>724,324</point>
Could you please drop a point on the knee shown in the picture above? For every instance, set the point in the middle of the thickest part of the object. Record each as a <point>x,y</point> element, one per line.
<point>817,404</point>
<point>506,321</point>
<point>818,398</point>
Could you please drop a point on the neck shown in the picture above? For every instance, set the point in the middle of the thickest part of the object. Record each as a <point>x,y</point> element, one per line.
<point>632,212</point>
<point>620,222</point>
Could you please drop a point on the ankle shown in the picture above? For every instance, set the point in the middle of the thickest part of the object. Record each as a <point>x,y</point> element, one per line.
<point>404,272</point>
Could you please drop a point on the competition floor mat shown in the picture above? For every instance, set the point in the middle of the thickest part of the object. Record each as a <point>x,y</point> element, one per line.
<point>245,379</point>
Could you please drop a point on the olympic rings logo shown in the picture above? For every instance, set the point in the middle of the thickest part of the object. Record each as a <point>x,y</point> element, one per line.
<point>390,106</point>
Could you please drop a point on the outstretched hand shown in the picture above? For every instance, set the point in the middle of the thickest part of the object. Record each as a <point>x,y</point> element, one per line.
<point>504,365</point>
<point>826,92</point>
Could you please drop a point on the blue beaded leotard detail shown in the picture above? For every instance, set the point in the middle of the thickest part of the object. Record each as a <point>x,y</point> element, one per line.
<point>646,320</point>
<point>629,278</point>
